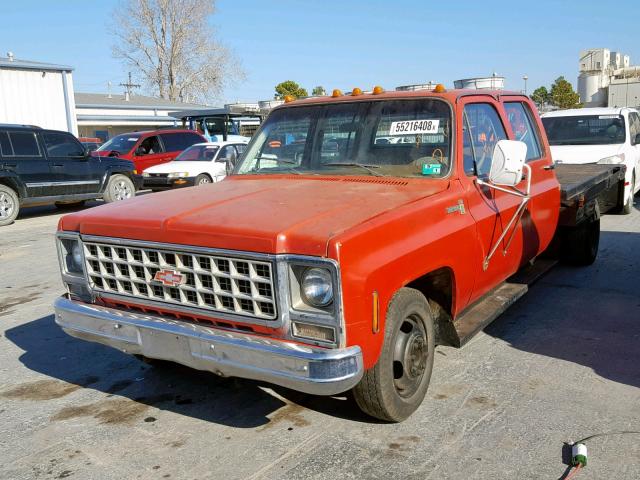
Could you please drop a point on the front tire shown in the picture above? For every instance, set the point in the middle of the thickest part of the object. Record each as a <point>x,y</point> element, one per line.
<point>119,187</point>
<point>9,205</point>
<point>202,179</point>
<point>396,386</point>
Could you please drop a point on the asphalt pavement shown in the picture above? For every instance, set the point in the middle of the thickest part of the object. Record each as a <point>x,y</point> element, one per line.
<point>560,365</point>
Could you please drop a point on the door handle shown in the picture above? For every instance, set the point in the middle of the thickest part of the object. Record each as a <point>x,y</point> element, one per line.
<point>549,167</point>
<point>57,165</point>
<point>10,165</point>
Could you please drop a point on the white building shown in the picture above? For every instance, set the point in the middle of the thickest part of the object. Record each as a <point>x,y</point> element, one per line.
<point>607,79</point>
<point>105,115</point>
<point>494,82</point>
<point>34,93</point>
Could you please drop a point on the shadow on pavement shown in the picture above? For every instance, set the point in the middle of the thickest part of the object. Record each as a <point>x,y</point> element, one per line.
<point>228,401</point>
<point>589,316</point>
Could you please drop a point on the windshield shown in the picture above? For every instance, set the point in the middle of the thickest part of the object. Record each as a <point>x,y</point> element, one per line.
<point>198,153</point>
<point>585,130</point>
<point>121,143</point>
<point>403,138</point>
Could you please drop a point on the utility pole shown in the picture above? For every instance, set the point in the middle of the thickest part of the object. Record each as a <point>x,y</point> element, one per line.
<point>129,86</point>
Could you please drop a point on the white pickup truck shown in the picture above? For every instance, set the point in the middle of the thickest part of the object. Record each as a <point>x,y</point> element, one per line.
<point>598,135</point>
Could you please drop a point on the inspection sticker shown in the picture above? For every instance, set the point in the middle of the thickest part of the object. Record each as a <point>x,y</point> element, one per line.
<point>431,169</point>
<point>409,127</point>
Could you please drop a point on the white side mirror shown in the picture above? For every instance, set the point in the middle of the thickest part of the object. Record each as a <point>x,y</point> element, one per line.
<point>507,162</point>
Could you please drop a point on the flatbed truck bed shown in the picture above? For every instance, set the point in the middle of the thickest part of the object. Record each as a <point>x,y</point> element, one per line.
<point>586,192</point>
<point>583,188</point>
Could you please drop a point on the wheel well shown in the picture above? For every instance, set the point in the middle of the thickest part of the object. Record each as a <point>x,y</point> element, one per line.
<point>437,287</point>
<point>11,184</point>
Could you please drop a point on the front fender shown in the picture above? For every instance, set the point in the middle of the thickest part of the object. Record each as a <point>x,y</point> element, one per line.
<point>395,249</point>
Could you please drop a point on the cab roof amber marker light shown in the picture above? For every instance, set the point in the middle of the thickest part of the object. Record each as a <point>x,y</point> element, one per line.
<point>377,90</point>
<point>356,91</point>
<point>289,98</point>
<point>336,93</point>
<point>439,88</point>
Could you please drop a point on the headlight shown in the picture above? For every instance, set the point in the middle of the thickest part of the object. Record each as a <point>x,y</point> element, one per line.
<point>317,287</point>
<point>71,257</point>
<point>178,174</point>
<point>612,160</point>
<point>146,175</point>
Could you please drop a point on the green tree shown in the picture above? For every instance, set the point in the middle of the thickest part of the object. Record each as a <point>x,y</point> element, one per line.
<point>319,90</point>
<point>563,96</point>
<point>289,87</point>
<point>540,96</point>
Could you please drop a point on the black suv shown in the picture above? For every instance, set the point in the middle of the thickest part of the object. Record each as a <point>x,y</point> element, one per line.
<point>40,167</point>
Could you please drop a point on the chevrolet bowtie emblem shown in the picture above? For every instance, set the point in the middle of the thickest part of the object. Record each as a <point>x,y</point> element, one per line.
<point>169,278</point>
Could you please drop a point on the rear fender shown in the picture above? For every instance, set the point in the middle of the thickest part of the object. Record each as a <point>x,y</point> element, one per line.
<point>12,180</point>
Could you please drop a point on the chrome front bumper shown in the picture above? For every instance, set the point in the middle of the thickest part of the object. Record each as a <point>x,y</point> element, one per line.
<point>307,369</point>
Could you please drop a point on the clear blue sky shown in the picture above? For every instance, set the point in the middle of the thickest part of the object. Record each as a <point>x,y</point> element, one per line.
<point>348,43</point>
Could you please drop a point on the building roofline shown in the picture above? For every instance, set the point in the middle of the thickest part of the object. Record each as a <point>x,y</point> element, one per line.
<point>17,64</point>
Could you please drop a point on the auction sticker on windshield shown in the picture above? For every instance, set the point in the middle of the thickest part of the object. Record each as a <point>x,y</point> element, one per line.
<point>408,127</point>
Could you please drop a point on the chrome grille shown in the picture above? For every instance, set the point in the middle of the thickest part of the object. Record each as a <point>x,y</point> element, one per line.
<point>219,283</point>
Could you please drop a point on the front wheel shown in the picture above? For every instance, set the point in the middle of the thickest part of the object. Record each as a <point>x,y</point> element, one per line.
<point>202,179</point>
<point>119,187</point>
<point>9,205</point>
<point>396,386</point>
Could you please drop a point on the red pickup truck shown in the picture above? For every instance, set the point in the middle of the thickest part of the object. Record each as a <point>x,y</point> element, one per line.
<point>357,233</point>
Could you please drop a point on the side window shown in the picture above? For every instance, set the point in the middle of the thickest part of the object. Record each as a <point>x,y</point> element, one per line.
<point>6,150</point>
<point>24,144</point>
<point>484,130</point>
<point>228,153</point>
<point>523,128</point>
<point>240,148</point>
<point>149,146</point>
<point>62,145</point>
<point>176,142</point>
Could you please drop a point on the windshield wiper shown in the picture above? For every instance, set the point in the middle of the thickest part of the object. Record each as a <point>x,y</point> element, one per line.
<point>368,168</point>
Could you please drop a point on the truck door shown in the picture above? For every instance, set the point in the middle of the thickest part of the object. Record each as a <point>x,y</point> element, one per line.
<point>480,128</point>
<point>72,171</point>
<point>540,219</point>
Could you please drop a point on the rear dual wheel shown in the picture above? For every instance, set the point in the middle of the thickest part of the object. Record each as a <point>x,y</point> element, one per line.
<point>396,386</point>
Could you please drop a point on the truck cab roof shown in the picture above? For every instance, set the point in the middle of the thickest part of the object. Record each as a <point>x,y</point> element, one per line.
<point>451,95</point>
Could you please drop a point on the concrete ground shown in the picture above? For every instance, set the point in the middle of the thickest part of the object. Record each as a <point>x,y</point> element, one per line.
<point>561,364</point>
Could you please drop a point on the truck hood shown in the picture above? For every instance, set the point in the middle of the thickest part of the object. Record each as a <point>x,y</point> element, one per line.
<point>581,154</point>
<point>283,214</point>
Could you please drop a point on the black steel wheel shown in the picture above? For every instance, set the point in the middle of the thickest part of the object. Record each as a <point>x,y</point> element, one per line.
<point>396,386</point>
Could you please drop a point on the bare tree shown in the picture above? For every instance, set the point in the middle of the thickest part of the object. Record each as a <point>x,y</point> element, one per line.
<point>172,48</point>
